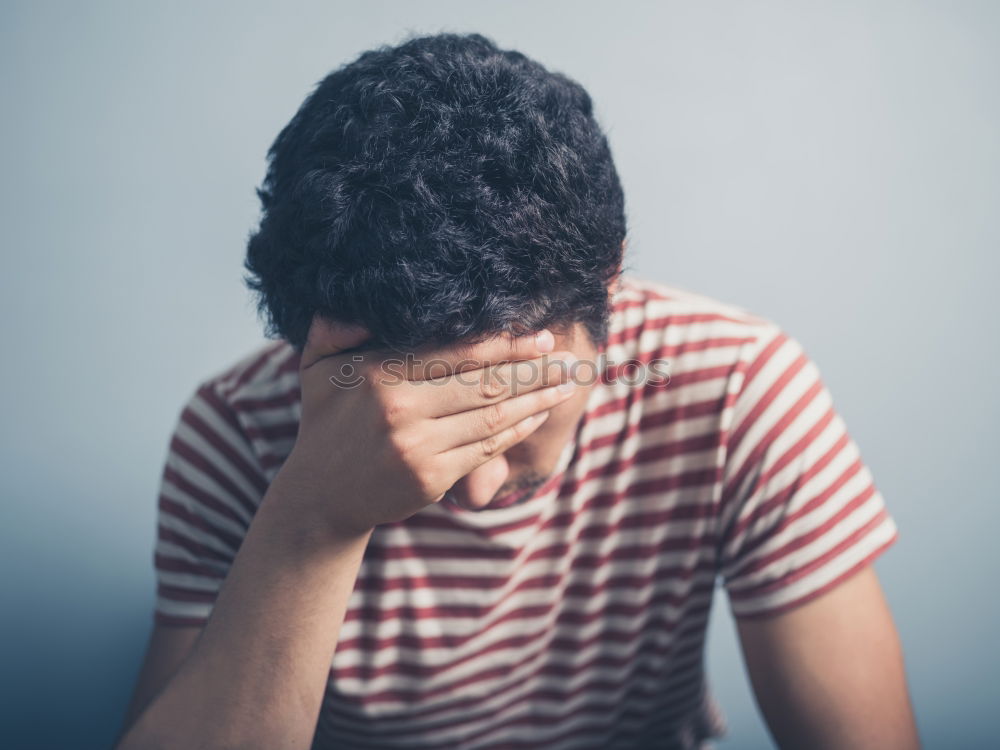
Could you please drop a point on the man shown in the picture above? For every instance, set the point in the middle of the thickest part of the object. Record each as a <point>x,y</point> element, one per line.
<point>479,492</point>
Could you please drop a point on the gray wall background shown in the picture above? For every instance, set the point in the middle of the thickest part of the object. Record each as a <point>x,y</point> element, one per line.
<point>833,166</point>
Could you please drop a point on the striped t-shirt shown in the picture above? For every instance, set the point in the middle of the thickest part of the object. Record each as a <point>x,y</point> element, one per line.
<point>576,618</point>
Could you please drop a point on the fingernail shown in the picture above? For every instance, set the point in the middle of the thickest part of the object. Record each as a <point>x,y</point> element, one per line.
<point>544,341</point>
<point>535,418</point>
<point>566,387</point>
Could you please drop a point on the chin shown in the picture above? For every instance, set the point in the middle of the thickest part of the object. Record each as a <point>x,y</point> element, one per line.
<point>509,493</point>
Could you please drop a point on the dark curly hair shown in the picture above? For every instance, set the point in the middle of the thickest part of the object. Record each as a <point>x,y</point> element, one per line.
<point>439,189</point>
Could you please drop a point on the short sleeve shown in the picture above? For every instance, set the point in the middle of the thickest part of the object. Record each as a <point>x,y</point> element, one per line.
<point>209,490</point>
<point>800,511</point>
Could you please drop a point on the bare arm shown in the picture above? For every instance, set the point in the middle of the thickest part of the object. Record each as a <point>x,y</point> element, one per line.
<point>829,675</point>
<point>269,642</point>
<point>168,646</point>
<point>256,675</point>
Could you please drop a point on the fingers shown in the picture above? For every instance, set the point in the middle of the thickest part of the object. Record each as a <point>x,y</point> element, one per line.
<point>448,360</point>
<point>329,337</point>
<point>473,389</point>
<point>480,428</point>
<point>464,459</point>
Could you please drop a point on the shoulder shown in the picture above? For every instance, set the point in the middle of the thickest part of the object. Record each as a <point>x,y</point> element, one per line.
<point>638,291</point>
<point>251,406</point>
<point>676,360</point>
<point>651,318</point>
<point>263,374</point>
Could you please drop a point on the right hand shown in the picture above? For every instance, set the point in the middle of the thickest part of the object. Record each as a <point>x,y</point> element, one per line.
<point>396,441</point>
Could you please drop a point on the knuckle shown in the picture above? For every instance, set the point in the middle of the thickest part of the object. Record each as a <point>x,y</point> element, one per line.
<point>491,388</point>
<point>493,416</point>
<point>393,404</point>
<point>428,481</point>
<point>491,445</point>
<point>404,445</point>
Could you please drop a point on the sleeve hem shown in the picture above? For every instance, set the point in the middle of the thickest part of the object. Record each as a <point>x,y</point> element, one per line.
<point>828,586</point>
<point>162,618</point>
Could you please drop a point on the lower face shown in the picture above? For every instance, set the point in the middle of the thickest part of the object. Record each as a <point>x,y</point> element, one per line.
<point>526,466</point>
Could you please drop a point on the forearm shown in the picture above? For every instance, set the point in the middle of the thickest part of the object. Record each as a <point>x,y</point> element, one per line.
<point>257,674</point>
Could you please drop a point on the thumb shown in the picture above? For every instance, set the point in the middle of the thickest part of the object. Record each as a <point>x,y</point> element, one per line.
<point>328,337</point>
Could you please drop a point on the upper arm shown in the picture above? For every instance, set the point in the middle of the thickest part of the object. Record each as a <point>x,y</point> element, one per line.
<point>801,519</point>
<point>168,647</point>
<point>829,673</point>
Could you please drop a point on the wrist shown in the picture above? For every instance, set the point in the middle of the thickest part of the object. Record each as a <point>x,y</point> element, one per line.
<point>301,514</point>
